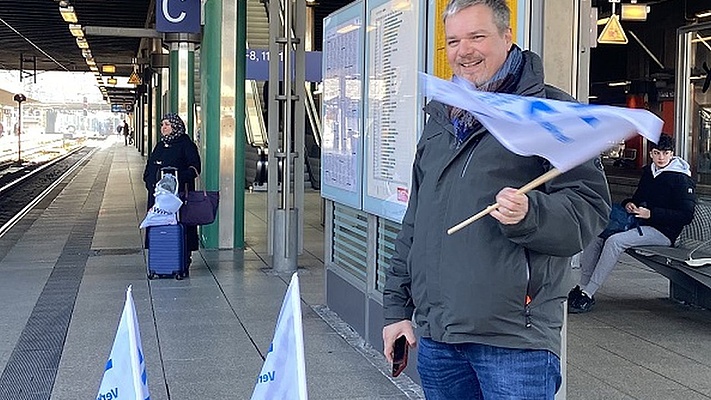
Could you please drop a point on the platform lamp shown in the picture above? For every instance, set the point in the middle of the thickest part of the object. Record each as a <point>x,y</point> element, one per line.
<point>19,98</point>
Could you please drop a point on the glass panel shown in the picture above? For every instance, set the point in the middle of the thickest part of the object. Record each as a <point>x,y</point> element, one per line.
<point>699,113</point>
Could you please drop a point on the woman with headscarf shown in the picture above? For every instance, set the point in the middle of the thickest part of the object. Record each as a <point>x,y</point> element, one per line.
<point>175,149</point>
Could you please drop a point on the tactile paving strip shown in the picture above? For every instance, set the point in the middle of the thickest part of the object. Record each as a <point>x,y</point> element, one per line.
<point>32,367</point>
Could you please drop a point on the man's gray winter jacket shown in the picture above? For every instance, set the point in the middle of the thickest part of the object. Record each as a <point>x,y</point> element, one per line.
<point>494,284</point>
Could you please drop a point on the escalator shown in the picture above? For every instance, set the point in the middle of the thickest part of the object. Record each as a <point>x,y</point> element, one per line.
<point>255,160</point>
<point>257,146</point>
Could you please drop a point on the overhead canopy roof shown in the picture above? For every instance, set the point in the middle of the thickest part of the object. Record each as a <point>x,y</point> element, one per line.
<point>36,30</point>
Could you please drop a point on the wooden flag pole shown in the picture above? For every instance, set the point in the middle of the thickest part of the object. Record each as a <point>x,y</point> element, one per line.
<point>525,189</point>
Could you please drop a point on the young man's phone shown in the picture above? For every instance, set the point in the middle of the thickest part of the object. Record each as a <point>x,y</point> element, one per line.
<point>399,355</point>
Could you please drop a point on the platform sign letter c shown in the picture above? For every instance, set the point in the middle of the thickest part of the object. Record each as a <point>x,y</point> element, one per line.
<point>170,18</point>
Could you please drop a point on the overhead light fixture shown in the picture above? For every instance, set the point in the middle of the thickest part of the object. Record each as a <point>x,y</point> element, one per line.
<point>87,53</point>
<point>634,12</point>
<point>82,43</point>
<point>76,30</point>
<point>68,14</point>
<point>108,69</point>
<point>703,14</point>
<point>111,81</point>
<point>620,83</point>
<point>90,62</point>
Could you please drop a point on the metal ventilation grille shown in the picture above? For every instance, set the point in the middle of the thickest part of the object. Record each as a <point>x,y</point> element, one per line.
<point>350,241</point>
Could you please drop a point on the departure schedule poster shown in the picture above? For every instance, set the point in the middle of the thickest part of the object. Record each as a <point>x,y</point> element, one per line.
<point>392,104</point>
<point>342,113</point>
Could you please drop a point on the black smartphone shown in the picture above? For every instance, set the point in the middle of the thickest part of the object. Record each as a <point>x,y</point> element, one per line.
<point>399,355</point>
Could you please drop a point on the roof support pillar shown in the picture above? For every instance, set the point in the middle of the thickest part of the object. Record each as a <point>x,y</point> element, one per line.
<point>182,76</point>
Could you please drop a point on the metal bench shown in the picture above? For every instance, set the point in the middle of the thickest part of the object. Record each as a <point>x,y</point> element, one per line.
<point>687,265</point>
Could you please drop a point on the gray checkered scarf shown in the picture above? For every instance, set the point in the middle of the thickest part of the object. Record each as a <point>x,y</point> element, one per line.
<point>503,81</point>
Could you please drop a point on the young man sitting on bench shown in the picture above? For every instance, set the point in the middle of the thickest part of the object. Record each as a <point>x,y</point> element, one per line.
<point>663,203</point>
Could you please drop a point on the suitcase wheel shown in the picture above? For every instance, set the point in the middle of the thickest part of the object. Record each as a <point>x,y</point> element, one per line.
<point>151,276</point>
<point>178,277</point>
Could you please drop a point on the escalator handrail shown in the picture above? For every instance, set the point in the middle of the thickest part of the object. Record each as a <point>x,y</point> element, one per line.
<point>313,114</point>
<point>254,121</point>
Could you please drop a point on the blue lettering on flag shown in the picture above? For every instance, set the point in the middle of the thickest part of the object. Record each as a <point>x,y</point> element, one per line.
<point>539,107</point>
<point>110,395</point>
<point>557,134</point>
<point>513,115</point>
<point>590,120</point>
<point>109,365</point>
<point>498,101</point>
<point>268,377</point>
<point>271,347</point>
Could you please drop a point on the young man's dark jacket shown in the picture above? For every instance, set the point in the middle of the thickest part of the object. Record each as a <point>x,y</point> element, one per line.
<point>473,286</point>
<point>669,197</point>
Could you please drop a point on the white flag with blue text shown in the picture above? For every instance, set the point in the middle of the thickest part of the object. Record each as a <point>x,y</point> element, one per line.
<point>283,375</point>
<point>565,133</point>
<point>125,373</point>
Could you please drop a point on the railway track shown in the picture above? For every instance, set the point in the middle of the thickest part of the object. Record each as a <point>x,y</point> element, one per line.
<point>22,187</point>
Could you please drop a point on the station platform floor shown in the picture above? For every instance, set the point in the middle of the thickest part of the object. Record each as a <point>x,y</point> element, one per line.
<point>65,266</point>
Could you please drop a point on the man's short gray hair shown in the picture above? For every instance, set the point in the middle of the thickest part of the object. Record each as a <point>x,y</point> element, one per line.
<point>502,13</point>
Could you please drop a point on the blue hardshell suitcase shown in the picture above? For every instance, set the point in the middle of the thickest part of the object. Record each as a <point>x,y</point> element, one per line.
<point>167,251</point>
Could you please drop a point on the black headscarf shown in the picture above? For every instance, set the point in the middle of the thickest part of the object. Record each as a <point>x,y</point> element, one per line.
<point>178,127</point>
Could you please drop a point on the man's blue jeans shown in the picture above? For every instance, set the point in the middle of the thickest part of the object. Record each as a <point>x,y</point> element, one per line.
<point>475,371</point>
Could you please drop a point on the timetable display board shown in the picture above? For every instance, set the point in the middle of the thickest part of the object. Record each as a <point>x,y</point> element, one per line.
<point>394,45</point>
<point>342,113</point>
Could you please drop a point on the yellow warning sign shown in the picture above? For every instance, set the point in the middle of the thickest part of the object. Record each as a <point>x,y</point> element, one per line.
<point>134,79</point>
<point>612,33</point>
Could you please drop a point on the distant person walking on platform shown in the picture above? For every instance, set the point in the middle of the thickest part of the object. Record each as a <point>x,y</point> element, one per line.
<point>487,301</point>
<point>126,133</point>
<point>663,203</point>
<point>175,149</point>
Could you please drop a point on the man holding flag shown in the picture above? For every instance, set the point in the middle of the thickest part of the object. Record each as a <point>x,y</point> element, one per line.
<point>487,300</point>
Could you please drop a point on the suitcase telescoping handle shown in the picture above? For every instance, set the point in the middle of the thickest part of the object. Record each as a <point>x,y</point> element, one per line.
<point>169,170</point>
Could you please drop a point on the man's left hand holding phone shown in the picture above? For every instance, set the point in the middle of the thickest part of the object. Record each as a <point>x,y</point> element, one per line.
<point>395,339</point>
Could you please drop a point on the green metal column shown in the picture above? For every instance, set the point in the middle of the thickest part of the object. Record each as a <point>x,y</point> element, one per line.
<point>210,70</point>
<point>174,83</point>
<point>158,104</point>
<point>240,134</point>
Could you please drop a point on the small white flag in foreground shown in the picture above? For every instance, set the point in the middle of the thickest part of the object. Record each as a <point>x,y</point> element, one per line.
<point>125,374</point>
<point>283,374</point>
<point>565,133</point>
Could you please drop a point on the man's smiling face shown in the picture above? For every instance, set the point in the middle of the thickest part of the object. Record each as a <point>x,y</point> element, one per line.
<point>476,49</point>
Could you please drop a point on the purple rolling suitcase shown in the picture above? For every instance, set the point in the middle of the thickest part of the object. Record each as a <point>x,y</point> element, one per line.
<point>167,252</point>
